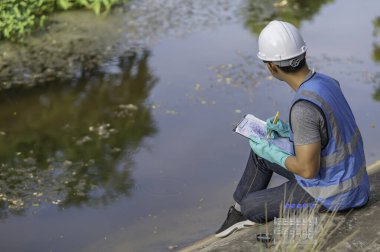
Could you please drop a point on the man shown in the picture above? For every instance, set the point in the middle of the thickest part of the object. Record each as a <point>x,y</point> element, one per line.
<point>327,165</point>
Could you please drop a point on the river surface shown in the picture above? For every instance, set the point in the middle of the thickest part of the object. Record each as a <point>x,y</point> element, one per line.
<point>140,155</point>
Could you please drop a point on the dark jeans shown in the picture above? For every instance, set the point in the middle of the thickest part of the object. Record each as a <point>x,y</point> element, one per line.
<point>257,202</point>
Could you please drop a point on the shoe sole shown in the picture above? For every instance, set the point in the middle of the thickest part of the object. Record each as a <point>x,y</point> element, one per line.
<point>235,227</point>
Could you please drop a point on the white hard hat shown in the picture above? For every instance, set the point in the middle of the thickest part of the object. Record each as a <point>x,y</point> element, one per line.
<point>281,43</point>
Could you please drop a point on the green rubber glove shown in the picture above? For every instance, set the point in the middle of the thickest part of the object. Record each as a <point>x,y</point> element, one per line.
<point>281,128</point>
<point>268,151</point>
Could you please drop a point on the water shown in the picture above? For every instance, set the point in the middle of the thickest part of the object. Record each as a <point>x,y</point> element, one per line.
<point>141,156</point>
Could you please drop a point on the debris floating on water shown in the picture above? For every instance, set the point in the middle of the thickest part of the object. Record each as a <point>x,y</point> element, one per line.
<point>171,247</point>
<point>103,130</point>
<point>171,112</point>
<point>197,87</point>
<point>83,140</point>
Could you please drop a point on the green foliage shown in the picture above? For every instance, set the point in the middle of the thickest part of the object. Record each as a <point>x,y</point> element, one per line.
<point>376,46</point>
<point>260,12</point>
<point>96,5</point>
<point>376,23</point>
<point>20,17</point>
<point>376,52</point>
<point>376,95</point>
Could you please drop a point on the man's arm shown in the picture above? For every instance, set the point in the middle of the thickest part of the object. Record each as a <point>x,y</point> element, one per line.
<point>309,133</point>
<point>306,162</point>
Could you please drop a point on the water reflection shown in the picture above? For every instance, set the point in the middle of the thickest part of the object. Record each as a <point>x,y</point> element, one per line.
<point>376,45</point>
<point>73,146</point>
<point>259,13</point>
<point>376,95</point>
<point>376,54</point>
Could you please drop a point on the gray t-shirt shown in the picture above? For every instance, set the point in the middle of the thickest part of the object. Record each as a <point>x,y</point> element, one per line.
<point>308,124</point>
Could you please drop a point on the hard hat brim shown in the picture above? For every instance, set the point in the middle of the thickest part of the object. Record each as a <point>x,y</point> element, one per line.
<point>279,59</point>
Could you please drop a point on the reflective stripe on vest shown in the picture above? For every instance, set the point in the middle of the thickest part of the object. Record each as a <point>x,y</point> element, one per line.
<point>325,192</point>
<point>342,164</point>
<point>342,150</point>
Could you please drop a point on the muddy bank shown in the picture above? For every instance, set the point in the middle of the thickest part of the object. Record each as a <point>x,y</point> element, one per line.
<point>72,43</point>
<point>76,43</point>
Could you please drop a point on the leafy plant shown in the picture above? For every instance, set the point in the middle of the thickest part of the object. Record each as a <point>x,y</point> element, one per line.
<point>376,46</point>
<point>19,18</point>
<point>96,5</point>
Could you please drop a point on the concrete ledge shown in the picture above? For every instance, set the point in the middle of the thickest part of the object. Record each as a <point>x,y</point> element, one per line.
<point>363,223</point>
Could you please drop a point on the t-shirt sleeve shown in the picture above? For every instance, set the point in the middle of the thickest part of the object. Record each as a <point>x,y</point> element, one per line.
<point>306,122</point>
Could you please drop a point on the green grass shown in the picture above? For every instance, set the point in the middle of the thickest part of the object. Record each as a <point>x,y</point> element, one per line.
<point>19,18</point>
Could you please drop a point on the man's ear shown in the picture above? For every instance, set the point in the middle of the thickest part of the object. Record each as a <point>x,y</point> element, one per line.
<point>273,68</point>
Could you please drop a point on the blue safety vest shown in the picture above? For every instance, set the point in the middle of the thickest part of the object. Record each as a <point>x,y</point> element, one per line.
<point>342,181</point>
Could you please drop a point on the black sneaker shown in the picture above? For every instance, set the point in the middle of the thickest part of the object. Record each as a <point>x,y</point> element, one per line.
<point>235,221</point>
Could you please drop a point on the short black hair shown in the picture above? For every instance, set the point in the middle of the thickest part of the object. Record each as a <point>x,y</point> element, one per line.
<point>290,69</point>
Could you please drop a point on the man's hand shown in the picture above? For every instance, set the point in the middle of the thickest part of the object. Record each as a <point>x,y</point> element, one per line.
<point>280,128</point>
<point>268,151</point>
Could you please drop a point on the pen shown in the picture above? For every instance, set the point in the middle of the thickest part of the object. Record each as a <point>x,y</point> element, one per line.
<point>274,122</point>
